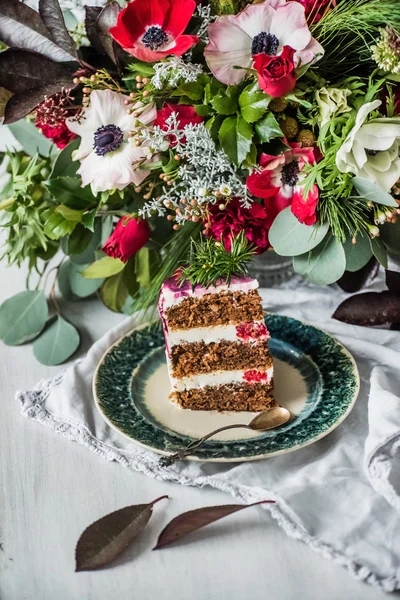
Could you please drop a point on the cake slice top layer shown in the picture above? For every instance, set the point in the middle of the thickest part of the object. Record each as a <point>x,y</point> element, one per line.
<point>173,293</point>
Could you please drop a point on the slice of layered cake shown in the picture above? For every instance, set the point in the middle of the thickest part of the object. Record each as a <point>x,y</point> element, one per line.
<point>217,345</point>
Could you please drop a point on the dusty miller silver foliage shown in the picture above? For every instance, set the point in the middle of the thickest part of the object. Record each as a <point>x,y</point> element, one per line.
<point>203,171</point>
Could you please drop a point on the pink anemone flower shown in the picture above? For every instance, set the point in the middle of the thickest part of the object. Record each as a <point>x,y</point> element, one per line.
<point>259,28</point>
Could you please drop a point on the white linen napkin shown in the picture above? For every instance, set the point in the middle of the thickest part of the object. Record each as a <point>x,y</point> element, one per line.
<point>336,495</point>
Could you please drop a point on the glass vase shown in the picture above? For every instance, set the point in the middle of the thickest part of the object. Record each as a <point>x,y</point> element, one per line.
<point>270,269</point>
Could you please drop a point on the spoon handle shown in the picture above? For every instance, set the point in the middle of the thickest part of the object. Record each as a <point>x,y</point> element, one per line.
<point>167,461</point>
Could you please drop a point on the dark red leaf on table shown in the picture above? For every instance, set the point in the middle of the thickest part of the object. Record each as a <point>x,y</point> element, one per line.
<point>393,281</point>
<point>196,519</point>
<point>370,308</point>
<point>352,282</point>
<point>105,539</point>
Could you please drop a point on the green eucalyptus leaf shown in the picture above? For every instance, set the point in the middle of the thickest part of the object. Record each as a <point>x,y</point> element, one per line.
<point>105,267</point>
<point>57,226</point>
<point>30,138</point>
<point>22,317</point>
<point>268,128</point>
<point>324,264</point>
<point>68,191</point>
<point>106,229</point>
<point>390,235</point>
<point>371,191</point>
<point>253,103</point>
<point>236,137</point>
<point>64,282</point>
<point>379,251</point>
<point>78,241</point>
<point>57,343</point>
<point>114,292</point>
<point>358,254</point>
<point>80,285</point>
<point>64,166</point>
<point>289,237</point>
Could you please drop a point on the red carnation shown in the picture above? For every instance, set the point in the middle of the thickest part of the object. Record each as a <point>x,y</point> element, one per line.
<point>60,135</point>
<point>128,237</point>
<point>228,223</point>
<point>152,29</point>
<point>276,74</point>
<point>186,115</point>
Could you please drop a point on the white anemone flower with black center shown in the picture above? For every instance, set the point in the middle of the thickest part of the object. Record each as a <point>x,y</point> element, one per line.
<point>109,157</point>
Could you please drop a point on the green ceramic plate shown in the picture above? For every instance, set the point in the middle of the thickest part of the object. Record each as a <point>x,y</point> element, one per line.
<point>315,378</point>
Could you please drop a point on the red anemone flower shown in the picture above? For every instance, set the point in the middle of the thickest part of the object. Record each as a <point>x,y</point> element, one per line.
<point>152,29</point>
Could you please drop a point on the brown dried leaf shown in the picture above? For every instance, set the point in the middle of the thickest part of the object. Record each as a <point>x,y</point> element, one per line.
<point>91,15</point>
<point>53,19</point>
<point>370,308</point>
<point>196,519</point>
<point>107,19</point>
<point>108,537</point>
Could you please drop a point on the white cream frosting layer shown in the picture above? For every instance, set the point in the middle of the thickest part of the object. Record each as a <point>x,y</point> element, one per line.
<point>214,378</point>
<point>208,335</point>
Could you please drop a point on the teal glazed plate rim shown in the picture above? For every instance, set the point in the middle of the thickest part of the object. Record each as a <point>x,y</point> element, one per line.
<point>315,377</point>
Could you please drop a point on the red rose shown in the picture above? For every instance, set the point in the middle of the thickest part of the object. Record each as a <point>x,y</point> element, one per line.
<point>186,115</point>
<point>60,135</point>
<point>127,238</point>
<point>228,223</point>
<point>276,74</point>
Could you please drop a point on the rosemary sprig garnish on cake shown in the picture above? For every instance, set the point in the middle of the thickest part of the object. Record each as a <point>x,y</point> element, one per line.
<point>209,261</point>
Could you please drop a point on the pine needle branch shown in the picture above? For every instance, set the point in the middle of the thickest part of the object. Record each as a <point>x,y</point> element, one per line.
<point>210,262</point>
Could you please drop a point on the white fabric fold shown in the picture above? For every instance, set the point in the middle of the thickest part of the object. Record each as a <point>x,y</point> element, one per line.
<point>336,495</point>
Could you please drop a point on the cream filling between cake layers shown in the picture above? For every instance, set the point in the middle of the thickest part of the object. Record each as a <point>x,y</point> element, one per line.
<point>219,378</point>
<point>219,333</point>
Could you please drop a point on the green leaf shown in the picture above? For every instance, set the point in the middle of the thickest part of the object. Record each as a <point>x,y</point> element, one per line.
<point>223,104</point>
<point>390,235</point>
<point>203,110</point>
<point>268,128</point>
<point>57,226</point>
<point>105,267</point>
<point>371,191</point>
<point>64,166</point>
<point>63,281</point>
<point>141,68</point>
<point>132,283</point>
<point>358,254</point>
<point>298,100</point>
<point>57,343</point>
<point>147,262</point>
<point>289,237</point>
<point>68,191</point>
<point>253,103</point>
<point>236,136</point>
<point>22,317</point>
<point>379,251</point>
<point>77,242</point>
<point>193,90</point>
<point>80,285</point>
<point>114,292</point>
<point>213,125</point>
<point>30,138</point>
<point>325,264</point>
<point>70,214</point>
<point>88,219</point>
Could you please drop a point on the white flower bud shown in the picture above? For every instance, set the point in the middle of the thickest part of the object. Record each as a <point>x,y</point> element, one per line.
<point>225,189</point>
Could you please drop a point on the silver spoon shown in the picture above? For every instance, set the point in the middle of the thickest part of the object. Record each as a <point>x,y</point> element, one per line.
<point>268,419</point>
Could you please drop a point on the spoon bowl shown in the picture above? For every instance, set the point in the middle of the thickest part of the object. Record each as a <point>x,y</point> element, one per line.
<point>269,419</point>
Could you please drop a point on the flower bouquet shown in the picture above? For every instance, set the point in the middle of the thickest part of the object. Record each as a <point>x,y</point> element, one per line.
<point>158,133</point>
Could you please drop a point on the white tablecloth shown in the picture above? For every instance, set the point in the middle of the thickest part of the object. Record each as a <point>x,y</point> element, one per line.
<point>51,489</point>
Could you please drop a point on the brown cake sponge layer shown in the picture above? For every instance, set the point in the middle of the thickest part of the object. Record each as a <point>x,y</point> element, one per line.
<point>251,397</point>
<point>199,357</point>
<point>215,309</point>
